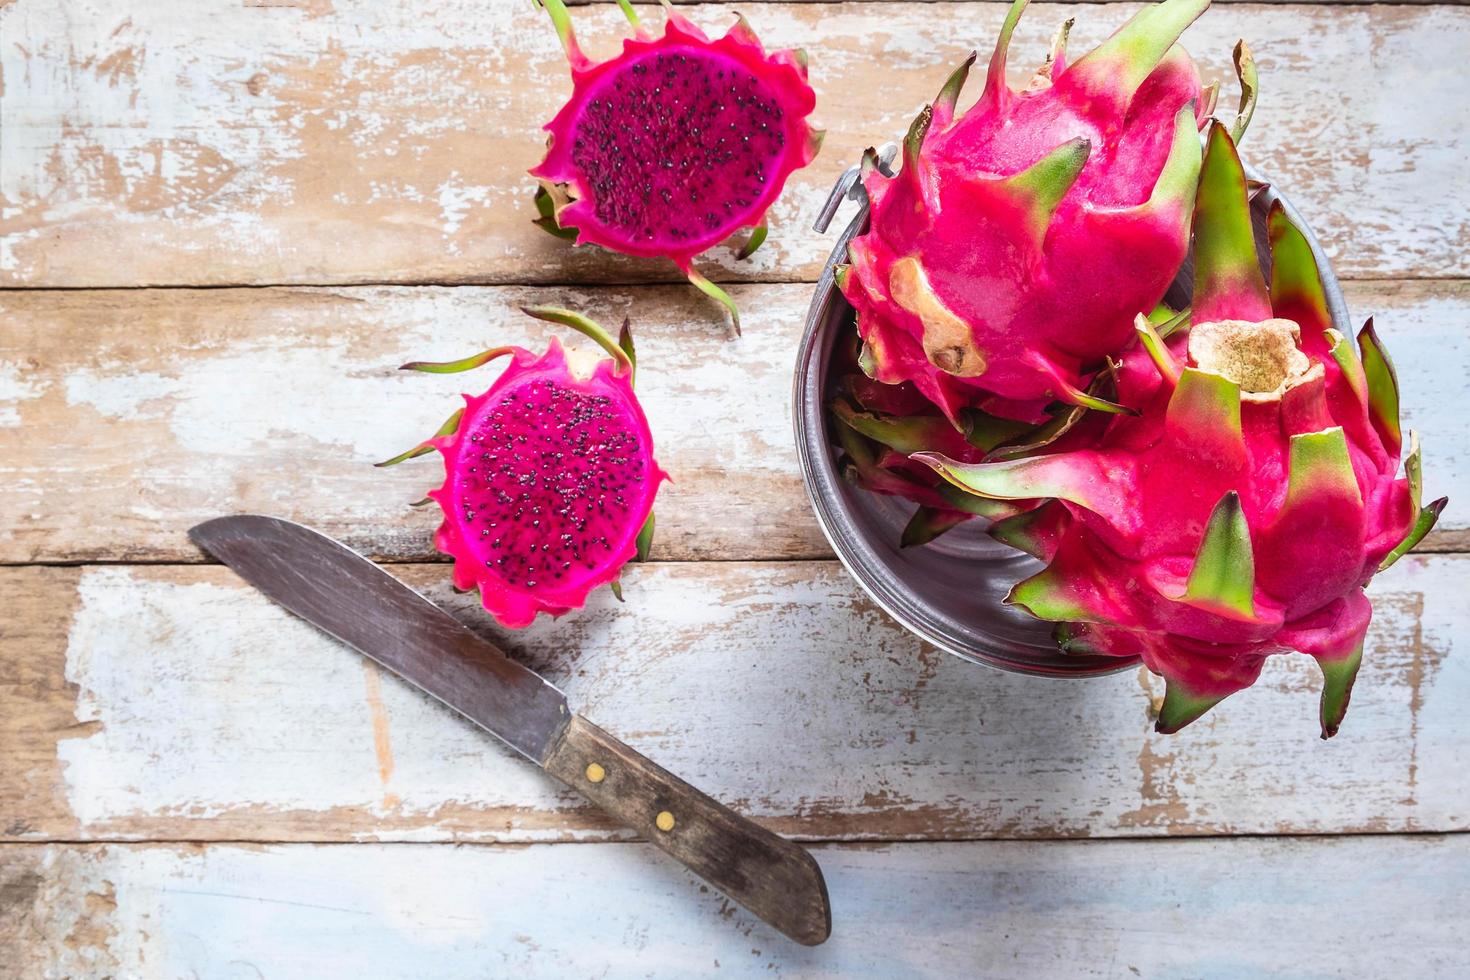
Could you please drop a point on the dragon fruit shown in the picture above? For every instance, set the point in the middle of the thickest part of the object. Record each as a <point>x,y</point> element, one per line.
<point>549,475</point>
<point>879,428</point>
<point>676,144</point>
<point>1009,255</point>
<point>1243,509</point>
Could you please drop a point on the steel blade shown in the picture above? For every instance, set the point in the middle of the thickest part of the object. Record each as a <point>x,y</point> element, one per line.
<point>344,594</point>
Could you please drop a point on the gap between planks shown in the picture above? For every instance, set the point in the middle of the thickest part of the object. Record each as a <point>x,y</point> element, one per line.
<point>641,4</point>
<point>610,284</point>
<point>806,840</point>
<point>1448,543</point>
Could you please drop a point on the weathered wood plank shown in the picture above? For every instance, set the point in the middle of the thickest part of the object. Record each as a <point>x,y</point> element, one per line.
<point>184,142</point>
<point>129,415</point>
<point>173,702</point>
<point>1367,906</point>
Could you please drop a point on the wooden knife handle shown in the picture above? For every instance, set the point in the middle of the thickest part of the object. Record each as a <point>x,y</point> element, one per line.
<point>769,875</point>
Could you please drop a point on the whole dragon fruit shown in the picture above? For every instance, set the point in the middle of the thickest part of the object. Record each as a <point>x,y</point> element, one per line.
<point>1012,250</point>
<point>880,427</point>
<point>1243,509</point>
<point>549,475</point>
<point>676,144</point>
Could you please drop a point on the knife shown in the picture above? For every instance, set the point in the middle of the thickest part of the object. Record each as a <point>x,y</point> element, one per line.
<point>344,594</point>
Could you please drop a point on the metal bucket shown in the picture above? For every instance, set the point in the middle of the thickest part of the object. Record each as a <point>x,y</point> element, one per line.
<point>947,592</point>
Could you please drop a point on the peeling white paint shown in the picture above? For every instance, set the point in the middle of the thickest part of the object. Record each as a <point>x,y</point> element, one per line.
<point>455,200</point>
<point>122,394</point>
<point>286,409</point>
<point>1218,908</point>
<point>274,392</point>
<point>215,141</point>
<point>199,713</point>
<point>772,686</point>
<point>15,388</point>
<point>130,650</point>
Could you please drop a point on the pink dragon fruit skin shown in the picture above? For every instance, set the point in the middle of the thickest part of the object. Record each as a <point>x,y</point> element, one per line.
<point>549,477</point>
<point>674,145</point>
<point>1012,250</point>
<point>1244,507</point>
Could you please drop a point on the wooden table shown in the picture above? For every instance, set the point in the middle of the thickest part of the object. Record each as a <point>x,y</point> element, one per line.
<point>223,224</point>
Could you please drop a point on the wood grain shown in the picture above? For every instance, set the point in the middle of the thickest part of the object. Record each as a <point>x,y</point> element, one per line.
<point>176,703</point>
<point>134,414</point>
<point>1366,906</point>
<point>351,141</point>
<point>129,415</point>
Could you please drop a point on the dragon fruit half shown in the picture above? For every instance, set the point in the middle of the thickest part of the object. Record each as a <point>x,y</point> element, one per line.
<point>675,144</point>
<point>1241,512</point>
<point>549,475</point>
<point>1012,250</point>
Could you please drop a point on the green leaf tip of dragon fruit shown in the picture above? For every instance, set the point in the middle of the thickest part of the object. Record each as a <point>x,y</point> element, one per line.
<point>1383,386</point>
<point>1240,513</point>
<point>717,294</point>
<point>549,474</point>
<point>1338,675</point>
<point>546,207</point>
<point>645,540</point>
<point>590,329</point>
<point>1153,342</point>
<point>618,175</point>
<point>1181,707</point>
<point>929,523</point>
<point>755,241</point>
<point>455,367</point>
<point>1224,572</point>
<point>879,427</point>
<point>426,447</point>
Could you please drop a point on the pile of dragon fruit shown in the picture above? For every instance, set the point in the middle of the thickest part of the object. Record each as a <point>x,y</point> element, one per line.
<point>1206,486</point>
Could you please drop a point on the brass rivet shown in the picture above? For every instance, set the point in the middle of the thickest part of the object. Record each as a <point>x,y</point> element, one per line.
<point>664,821</point>
<point>595,773</point>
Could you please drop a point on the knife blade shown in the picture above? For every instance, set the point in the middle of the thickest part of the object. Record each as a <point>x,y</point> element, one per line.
<point>339,591</point>
<point>352,599</point>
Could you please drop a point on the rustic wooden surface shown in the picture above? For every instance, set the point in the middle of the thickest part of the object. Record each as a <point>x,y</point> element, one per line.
<point>193,782</point>
<point>214,142</point>
<point>1248,907</point>
<point>276,400</point>
<point>146,705</point>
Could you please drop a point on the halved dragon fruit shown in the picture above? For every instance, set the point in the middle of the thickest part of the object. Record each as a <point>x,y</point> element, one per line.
<point>549,475</point>
<point>677,143</point>
<point>1245,507</point>
<point>1011,252</point>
